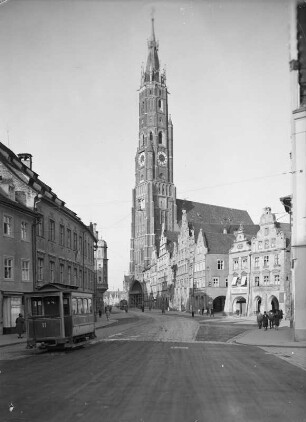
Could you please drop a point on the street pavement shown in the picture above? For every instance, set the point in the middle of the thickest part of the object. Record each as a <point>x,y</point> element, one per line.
<point>277,342</point>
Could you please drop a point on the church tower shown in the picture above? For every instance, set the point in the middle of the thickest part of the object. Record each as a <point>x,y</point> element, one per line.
<point>154,195</point>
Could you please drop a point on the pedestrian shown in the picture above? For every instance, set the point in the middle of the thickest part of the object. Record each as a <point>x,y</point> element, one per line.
<point>276,320</point>
<point>271,318</point>
<point>20,325</point>
<point>265,320</point>
<point>203,310</point>
<point>100,313</point>
<point>107,312</point>
<point>259,319</point>
<point>281,313</point>
<point>211,314</point>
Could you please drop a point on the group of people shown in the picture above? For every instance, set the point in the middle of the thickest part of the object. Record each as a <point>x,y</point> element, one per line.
<point>271,319</point>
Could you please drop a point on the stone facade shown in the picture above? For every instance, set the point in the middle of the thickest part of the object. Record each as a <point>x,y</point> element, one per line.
<point>259,269</point>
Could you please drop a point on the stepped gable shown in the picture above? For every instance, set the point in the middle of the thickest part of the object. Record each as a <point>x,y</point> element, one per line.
<point>211,214</point>
<point>172,238</point>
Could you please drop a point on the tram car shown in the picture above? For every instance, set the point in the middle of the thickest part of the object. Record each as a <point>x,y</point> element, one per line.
<point>59,316</point>
<point>123,305</point>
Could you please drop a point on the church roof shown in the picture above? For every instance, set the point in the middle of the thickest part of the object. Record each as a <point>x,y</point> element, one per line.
<point>211,214</point>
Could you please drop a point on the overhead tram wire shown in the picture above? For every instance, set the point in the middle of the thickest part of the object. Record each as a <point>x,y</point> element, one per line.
<point>241,181</point>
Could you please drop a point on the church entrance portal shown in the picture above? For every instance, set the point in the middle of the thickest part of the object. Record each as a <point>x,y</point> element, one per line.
<point>136,295</point>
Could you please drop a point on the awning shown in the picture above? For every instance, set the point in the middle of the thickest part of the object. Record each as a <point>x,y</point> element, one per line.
<point>234,281</point>
<point>244,280</point>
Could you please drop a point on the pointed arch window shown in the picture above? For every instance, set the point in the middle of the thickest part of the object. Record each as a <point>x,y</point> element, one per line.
<point>151,136</point>
<point>160,137</point>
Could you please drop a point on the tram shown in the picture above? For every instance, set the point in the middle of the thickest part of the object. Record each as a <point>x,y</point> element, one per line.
<point>59,316</point>
<point>123,305</point>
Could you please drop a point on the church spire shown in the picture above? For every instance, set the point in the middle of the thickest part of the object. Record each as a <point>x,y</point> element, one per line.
<point>152,67</point>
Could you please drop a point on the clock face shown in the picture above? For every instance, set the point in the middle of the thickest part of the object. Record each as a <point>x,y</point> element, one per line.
<point>142,159</point>
<point>162,159</point>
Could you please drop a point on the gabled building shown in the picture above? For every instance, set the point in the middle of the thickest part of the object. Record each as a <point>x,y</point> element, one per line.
<point>259,269</point>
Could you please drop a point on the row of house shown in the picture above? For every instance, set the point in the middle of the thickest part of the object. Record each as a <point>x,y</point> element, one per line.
<point>41,240</point>
<point>235,268</point>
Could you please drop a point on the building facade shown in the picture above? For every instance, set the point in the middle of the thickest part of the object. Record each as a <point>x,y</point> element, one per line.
<point>43,241</point>
<point>101,269</point>
<point>16,258</point>
<point>298,165</point>
<point>259,269</point>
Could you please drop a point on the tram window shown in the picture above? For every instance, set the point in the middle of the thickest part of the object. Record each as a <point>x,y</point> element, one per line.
<point>74,306</point>
<point>89,306</point>
<point>36,306</point>
<point>80,306</point>
<point>66,306</point>
<point>85,304</point>
<point>51,306</point>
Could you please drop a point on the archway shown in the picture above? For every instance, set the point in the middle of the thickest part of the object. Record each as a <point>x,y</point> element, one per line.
<point>274,304</point>
<point>239,306</point>
<point>218,304</point>
<point>136,295</point>
<point>257,303</point>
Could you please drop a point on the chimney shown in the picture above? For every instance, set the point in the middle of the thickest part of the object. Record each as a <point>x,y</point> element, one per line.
<point>26,159</point>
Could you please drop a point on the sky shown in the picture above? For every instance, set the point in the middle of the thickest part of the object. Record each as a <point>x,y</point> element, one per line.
<point>69,80</point>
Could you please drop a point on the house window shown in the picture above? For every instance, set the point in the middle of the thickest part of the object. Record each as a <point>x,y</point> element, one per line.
<point>256,281</point>
<point>68,238</point>
<point>24,230</point>
<point>69,274</point>
<point>40,227</point>
<point>259,245</point>
<point>220,264</point>
<point>215,281</point>
<point>7,226</point>
<point>52,271</point>
<point>266,244</point>
<point>75,276</point>
<point>236,264</point>
<point>75,241</point>
<point>151,136</point>
<point>276,279</point>
<point>40,269</point>
<point>266,279</point>
<point>61,273</point>
<point>8,268</point>
<point>226,282</point>
<point>256,261</point>
<point>25,270</point>
<point>266,260</point>
<point>244,262</point>
<point>80,244</point>
<point>62,235</point>
<point>273,243</point>
<point>276,259</point>
<point>51,230</point>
